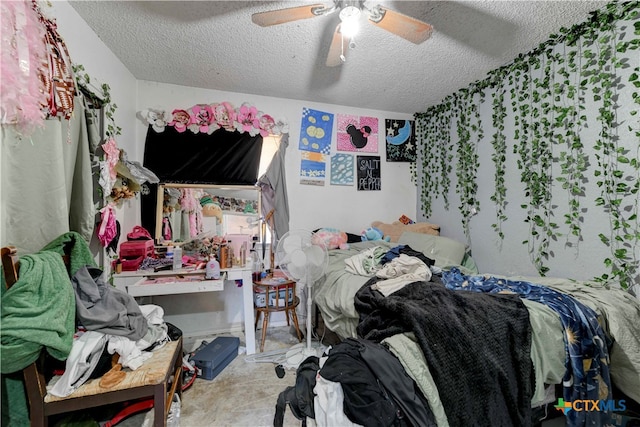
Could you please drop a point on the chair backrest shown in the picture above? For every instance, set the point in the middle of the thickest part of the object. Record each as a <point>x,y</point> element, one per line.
<point>35,381</point>
<point>10,265</point>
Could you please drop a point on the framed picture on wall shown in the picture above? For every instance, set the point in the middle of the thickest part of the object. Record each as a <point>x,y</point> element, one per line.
<point>368,168</point>
<point>400,140</point>
<point>357,133</point>
<point>342,169</point>
<point>316,129</point>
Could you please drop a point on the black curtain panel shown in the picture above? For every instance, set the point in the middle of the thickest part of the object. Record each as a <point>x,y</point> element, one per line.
<point>224,158</point>
<point>197,158</point>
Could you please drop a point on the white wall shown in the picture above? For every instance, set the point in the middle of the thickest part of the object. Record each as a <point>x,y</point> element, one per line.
<point>310,207</point>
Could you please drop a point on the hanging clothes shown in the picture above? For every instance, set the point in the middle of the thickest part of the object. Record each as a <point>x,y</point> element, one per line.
<point>274,190</point>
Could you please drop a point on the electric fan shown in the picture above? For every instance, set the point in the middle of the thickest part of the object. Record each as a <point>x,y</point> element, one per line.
<point>304,259</point>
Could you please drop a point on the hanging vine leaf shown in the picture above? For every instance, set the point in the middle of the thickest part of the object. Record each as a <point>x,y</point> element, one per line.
<point>499,157</point>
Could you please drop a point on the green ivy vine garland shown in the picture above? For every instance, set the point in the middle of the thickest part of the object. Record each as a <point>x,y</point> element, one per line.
<point>102,99</point>
<point>568,125</point>
<point>470,132</point>
<point>548,88</point>
<point>499,158</point>
<point>611,156</point>
<point>436,153</point>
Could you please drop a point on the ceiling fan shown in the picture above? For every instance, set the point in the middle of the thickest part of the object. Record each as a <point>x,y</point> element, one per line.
<point>408,28</point>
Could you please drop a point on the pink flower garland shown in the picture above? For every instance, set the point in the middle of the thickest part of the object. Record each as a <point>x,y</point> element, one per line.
<point>180,120</point>
<point>207,118</point>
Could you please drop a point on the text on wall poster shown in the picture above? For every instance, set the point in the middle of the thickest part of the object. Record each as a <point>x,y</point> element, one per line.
<point>369,173</point>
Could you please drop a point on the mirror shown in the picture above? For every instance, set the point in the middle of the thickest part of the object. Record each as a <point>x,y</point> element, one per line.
<point>186,212</point>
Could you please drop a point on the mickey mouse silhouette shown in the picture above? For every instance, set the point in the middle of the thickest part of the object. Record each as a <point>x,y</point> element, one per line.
<point>357,136</point>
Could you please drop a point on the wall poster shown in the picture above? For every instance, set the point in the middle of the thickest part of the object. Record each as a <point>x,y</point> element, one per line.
<point>316,131</point>
<point>368,173</point>
<point>342,169</point>
<point>315,145</point>
<point>400,140</point>
<point>312,168</point>
<point>357,133</point>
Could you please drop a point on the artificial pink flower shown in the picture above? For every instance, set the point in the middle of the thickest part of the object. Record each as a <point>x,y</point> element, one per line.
<point>213,124</point>
<point>248,119</point>
<point>225,115</point>
<point>180,120</point>
<point>267,124</point>
<point>201,118</point>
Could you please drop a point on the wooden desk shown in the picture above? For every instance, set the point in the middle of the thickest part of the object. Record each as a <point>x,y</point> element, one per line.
<point>132,282</point>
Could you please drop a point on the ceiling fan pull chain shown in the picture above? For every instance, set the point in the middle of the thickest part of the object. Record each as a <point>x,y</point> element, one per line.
<point>342,57</point>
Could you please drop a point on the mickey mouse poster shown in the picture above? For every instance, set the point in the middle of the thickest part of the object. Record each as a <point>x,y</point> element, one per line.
<point>357,133</point>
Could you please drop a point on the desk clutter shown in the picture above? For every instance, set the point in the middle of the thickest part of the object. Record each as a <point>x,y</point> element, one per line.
<point>140,252</point>
<point>132,253</point>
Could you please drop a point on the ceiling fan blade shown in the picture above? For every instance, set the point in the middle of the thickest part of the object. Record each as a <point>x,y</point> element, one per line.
<point>336,53</point>
<point>402,25</point>
<point>281,16</point>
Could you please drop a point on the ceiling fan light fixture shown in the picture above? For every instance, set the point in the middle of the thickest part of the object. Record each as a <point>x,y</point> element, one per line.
<point>349,16</point>
<point>404,26</point>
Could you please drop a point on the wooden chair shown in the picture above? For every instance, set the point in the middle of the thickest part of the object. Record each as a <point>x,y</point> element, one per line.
<point>160,377</point>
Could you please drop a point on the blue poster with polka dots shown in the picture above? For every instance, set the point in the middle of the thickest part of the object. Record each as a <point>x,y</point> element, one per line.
<point>315,131</point>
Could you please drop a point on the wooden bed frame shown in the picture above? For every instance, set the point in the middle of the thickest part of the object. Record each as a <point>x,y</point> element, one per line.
<point>160,377</point>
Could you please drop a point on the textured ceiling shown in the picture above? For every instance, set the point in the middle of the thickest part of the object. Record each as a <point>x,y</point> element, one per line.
<point>215,45</point>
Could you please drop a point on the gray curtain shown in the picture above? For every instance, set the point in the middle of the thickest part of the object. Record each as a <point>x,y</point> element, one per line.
<point>274,190</point>
<point>47,185</point>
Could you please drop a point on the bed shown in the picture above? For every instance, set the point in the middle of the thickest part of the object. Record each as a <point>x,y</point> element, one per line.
<point>351,310</point>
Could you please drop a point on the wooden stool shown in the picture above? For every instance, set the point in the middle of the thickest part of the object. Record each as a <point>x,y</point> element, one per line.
<point>273,295</point>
